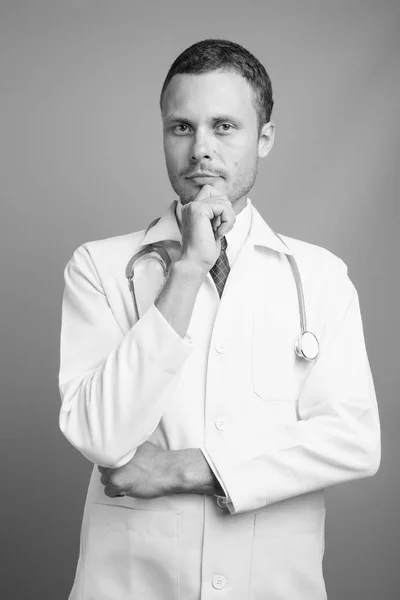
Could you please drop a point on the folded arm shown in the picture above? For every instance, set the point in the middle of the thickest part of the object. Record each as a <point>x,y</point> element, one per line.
<point>114,387</point>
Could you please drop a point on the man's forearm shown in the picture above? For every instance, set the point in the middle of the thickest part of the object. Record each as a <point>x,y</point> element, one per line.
<point>178,296</point>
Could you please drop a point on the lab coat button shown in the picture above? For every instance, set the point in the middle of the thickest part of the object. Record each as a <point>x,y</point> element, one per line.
<point>219,582</point>
<point>221,502</point>
<point>221,424</point>
<point>221,347</point>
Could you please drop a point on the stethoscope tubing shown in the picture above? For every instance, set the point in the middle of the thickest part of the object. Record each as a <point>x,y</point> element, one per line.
<point>161,255</point>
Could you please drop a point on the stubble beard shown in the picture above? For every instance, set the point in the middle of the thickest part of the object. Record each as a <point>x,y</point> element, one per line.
<point>243,183</point>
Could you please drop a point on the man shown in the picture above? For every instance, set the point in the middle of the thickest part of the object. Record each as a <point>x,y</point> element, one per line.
<point>212,439</point>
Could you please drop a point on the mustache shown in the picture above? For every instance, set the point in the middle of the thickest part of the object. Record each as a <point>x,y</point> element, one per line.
<point>204,170</point>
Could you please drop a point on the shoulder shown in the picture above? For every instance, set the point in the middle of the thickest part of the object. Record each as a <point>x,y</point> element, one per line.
<point>100,259</point>
<point>329,291</point>
<point>323,274</point>
<point>313,257</point>
<point>110,250</point>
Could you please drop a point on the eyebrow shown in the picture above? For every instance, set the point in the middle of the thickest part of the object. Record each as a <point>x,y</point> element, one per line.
<point>223,117</point>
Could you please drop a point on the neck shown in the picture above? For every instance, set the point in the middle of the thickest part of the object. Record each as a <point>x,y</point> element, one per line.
<point>239,204</point>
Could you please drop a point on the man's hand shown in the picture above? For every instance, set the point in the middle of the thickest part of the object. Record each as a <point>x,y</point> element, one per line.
<point>196,474</point>
<point>154,472</point>
<point>205,220</point>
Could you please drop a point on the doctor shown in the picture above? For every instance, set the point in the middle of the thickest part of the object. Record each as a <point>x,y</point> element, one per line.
<point>212,440</point>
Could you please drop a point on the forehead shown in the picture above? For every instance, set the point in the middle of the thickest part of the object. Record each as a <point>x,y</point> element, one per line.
<point>203,95</point>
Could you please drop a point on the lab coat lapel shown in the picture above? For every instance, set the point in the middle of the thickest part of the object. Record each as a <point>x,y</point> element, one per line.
<point>241,286</point>
<point>233,327</point>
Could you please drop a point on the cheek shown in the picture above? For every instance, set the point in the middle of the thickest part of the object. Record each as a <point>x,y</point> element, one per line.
<point>240,151</point>
<point>244,160</point>
<point>243,168</point>
<point>175,152</point>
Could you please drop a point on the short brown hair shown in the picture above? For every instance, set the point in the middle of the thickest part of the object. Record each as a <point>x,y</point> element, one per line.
<point>215,54</point>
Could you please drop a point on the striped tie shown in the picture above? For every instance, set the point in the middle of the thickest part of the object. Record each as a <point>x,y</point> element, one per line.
<point>220,271</point>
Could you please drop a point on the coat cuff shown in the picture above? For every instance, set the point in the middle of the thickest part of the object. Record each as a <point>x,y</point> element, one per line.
<point>239,498</point>
<point>217,474</point>
<point>160,342</point>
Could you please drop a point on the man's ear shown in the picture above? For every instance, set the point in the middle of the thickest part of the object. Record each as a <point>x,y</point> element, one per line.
<point>266,139</point>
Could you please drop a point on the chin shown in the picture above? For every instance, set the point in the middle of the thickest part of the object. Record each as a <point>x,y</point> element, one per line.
<point>218,185</point>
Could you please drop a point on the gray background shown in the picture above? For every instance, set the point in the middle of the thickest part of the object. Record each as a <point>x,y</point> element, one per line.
<point>82,159</point>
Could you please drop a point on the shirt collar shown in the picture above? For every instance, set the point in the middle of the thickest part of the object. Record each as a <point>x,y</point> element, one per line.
<point>167,228</point>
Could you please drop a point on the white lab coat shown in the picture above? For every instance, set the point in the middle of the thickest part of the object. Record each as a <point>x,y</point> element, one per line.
<point>276,429</point>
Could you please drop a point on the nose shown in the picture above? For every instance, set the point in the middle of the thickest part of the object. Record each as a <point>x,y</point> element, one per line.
<point>202,147</point>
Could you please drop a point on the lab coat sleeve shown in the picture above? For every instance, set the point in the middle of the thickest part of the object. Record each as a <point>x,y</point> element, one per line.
<point>113,387</point>
<point>217,475</point>
<point>337,435</point>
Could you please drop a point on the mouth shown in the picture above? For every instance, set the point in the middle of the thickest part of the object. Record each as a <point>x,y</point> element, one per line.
<point>202,178</point>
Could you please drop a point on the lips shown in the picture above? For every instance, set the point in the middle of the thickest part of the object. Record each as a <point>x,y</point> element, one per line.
<point>202,179</point>
<point>199,175</point>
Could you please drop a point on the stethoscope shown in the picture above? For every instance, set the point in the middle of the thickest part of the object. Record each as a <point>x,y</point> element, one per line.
<point>306,344</point>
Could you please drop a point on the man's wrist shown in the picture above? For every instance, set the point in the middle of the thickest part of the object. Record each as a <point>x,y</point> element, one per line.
<point>188,271</point>
<point>193,473</point>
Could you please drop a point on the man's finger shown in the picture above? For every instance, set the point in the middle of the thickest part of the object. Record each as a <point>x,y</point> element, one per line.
<point>101,469</point>
<point>216,222</point>
<point>105,479</point>
<point>205,192</point>
<point>112,492</point>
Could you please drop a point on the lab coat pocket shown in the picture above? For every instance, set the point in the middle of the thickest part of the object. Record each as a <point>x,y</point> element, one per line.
<point>278,373</point>
<point>131,553</point>
<point>273,358</point>
<point>287,555</point>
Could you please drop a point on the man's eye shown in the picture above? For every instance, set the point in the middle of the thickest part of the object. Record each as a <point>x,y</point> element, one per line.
<point>181,129</point>
<point>225,127</point>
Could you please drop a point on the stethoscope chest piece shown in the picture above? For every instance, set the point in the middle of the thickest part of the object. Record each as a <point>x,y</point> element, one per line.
<point>307,346</point>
